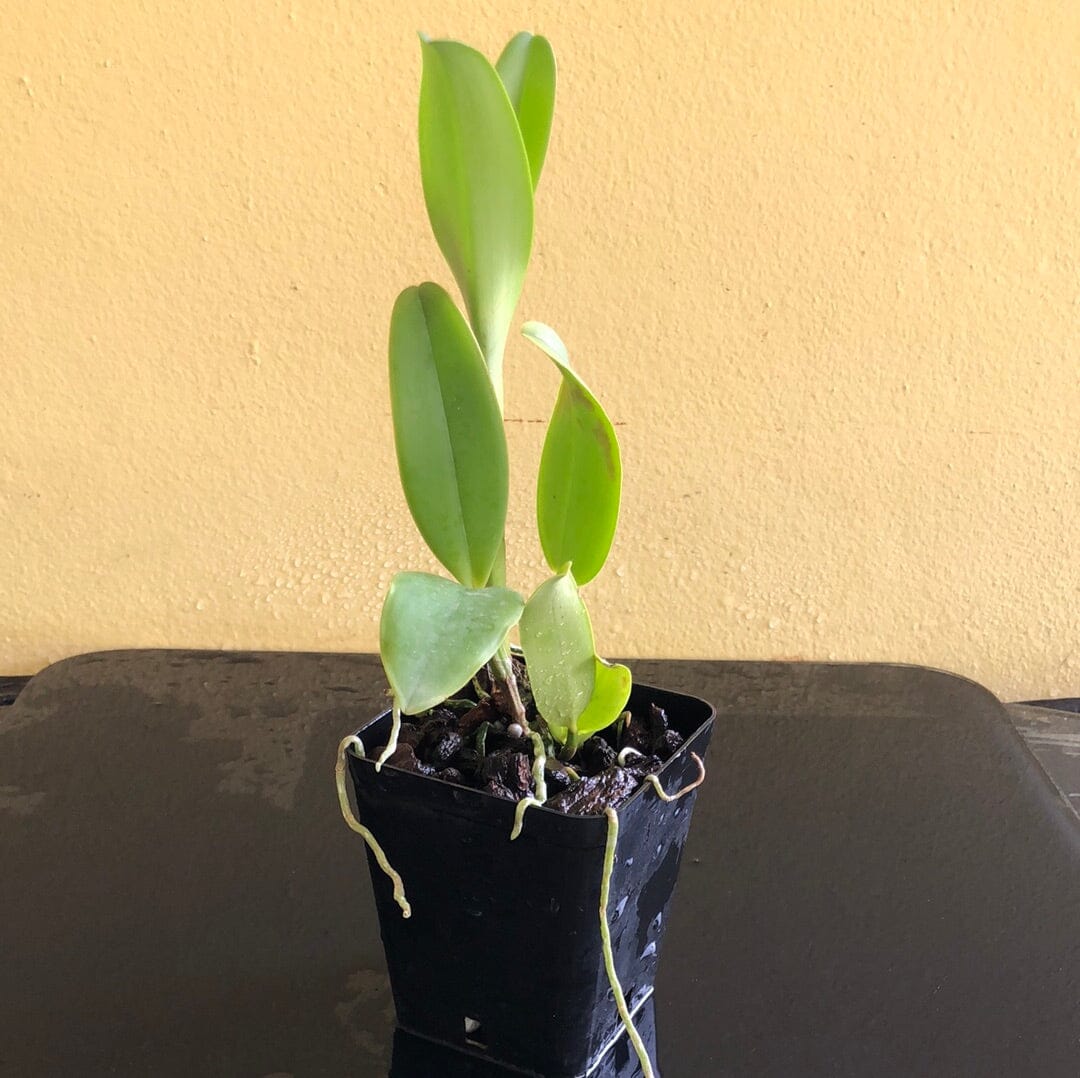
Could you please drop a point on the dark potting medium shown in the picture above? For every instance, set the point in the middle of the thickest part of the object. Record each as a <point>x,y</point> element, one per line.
<point>502,955</point>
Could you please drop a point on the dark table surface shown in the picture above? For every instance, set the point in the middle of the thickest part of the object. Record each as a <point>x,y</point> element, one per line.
<point>180,896</point>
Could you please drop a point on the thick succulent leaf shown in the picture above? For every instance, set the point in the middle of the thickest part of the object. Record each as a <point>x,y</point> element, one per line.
<point>610,694</point>
<point>435,634</point>
<point>609,698</point>
<point>477,185</point>
<point>557,641</point>
<point>527,69</point>
<point>580,480</point>
<point>448,430</point>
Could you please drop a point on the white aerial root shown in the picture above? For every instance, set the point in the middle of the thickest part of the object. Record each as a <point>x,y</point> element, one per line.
<point>353,742</point>
<point>605,891</point>
<point>395,730</point>
<point>519,814</point>
<point>539,763</point>
<point>609,957</point>
<point>655,782</point>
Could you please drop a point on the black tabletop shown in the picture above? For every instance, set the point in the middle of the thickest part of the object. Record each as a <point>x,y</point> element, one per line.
<point>880,879</point>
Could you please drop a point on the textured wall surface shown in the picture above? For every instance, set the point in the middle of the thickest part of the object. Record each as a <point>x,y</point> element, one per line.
<point>819,261</point>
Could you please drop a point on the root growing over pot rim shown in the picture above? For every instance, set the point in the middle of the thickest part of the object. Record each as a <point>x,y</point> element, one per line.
<point>519,815</point>
<point>664,796</point>
<point>609,956</point>
<point>539,763</point>
<point>353,742</point>
<point>605,928</point>
<point>391,744</point>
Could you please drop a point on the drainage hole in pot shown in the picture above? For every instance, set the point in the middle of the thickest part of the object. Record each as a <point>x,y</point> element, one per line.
<point>474,1034</point>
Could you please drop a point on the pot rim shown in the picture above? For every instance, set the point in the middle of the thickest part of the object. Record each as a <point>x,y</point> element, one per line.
<point>463,792</point>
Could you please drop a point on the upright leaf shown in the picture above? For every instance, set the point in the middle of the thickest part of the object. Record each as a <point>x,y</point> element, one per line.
<point>435,635</point>
<point>557,641</point>
<point>478,187</point>
<point>580,480</point>
<point>527,69</point>
<point>448,430</point>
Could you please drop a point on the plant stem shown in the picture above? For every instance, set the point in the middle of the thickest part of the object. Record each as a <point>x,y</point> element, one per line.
<point>504,686</point>
<point>493,357</point>
<point>504,680</point>
<point>573,743</point>
<point>497,576</point>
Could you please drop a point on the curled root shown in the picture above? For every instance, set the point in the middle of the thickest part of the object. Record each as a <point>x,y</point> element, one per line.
<point>660,792</point>
<point>353,742</point>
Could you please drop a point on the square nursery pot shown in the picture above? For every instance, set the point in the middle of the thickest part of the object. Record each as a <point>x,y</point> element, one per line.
<point>502,955</point>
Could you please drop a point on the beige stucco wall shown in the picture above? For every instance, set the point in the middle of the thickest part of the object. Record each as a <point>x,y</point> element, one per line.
<point>819,260</point>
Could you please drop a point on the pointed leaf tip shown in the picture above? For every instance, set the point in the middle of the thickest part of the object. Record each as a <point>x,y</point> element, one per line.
<point>527,69</point>
<point>477,186</point>
<point>580,481</point>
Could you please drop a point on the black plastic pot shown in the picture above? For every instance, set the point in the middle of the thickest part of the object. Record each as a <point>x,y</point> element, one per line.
<point>502,955</point>
<point>417,1057</point>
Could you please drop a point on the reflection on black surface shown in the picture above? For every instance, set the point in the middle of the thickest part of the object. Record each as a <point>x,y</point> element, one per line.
<point>415,1057</point>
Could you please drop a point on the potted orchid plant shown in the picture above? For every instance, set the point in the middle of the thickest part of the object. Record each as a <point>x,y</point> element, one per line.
<point>529,939</point>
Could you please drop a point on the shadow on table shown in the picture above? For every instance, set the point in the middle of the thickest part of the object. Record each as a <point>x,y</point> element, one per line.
<point>414,1057</point>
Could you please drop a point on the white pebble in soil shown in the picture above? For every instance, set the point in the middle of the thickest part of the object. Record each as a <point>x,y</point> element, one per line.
<point>515,729</point>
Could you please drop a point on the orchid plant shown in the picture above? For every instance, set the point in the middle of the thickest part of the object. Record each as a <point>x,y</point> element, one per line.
<point>484,134</point>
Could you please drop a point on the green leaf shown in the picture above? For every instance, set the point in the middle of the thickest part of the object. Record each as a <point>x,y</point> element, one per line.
<point>609,698</point>
<point>580,481</point>
<point>435,635</point>
<point>527,69</point>
<point>478,187</point>
<point>557,641</point>
<point>575,691</point>
<point>448,431</point>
